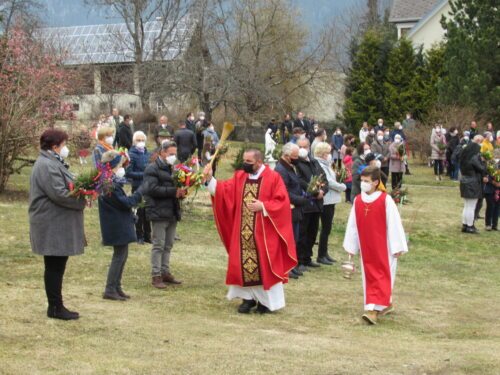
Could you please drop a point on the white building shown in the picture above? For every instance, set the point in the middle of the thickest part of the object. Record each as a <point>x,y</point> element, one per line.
<point>420,20</point>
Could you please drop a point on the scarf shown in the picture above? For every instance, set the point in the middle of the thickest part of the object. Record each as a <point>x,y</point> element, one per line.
<point>106,146</point>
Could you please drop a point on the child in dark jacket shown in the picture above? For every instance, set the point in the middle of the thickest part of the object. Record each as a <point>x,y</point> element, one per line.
<point>117,225</point>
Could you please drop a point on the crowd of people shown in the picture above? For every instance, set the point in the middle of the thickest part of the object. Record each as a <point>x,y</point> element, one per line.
<point>281,211</point>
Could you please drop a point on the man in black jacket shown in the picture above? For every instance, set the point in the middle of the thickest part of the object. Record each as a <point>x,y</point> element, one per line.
<point>307,168</point>
<point>286,128</point>
<point>186,142</point>
<point>294,185</point>
<point>163,126</point>
<point>163,210</point>
<point>124,134</point>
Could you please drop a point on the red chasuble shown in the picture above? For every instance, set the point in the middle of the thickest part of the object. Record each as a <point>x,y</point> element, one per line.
<point>372,231</point>
<point>261,249</point>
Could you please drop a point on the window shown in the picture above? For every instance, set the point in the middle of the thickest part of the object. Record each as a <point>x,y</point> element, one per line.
<point>132,105</point>
<point>103,106</point>
<point>159,106</point>
<point>76,107</point>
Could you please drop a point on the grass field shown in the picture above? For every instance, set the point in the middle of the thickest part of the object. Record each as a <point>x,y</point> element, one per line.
<point>446,298</point>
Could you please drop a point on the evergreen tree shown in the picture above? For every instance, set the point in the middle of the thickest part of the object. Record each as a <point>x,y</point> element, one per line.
<point>426,82</point>
<point>472,55</point>
<point>400,84</point>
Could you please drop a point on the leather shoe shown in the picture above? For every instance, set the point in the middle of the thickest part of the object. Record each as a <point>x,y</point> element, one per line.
<point>324,261</point>
<point>330,258</point>
<point>121,293</point>
<point>471,230</point>
<point>292,275</point>
<point>61,312</point>
<point>313,264</point>
<point>297,271</point>
<point>157,282</point>
<point>246,306</point>
<point>261,309</point>
<point>169,278</point>
<point>302,268</point>
<point>113,296</point>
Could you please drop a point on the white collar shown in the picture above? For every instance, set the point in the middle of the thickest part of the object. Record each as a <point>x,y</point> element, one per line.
<point>370,198</point>
<point>257,174</point>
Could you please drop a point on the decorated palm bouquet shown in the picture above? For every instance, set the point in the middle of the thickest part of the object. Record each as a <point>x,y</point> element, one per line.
<point>187,175</point>
<point>315,185</point>
<point>441,146</point>
<point>402,151</point>
<point>400,196</point>
<point>341,174</point>
<point>491,166</point>
<point>93,183</point>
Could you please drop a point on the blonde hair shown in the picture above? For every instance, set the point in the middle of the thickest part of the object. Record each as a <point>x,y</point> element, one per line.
<point>321,149</point>
<point>104,131</point>
<point>138,134</point>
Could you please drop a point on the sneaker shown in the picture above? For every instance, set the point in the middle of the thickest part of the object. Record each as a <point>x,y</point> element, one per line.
<point>388,310</point>
<point>370,317</point>
<point>488,228</point>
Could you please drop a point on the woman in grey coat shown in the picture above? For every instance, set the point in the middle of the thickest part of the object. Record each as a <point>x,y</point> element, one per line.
<point>56,219</point>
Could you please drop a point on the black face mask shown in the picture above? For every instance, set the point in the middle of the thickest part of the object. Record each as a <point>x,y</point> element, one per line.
<point>294,161</point>
<point>248,168</point>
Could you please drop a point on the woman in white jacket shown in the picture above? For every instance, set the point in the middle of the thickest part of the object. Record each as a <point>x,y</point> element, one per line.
<point>323,154</point>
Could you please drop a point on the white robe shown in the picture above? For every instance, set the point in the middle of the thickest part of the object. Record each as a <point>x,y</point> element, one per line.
<point>274,298</point>
<point>396,238</point>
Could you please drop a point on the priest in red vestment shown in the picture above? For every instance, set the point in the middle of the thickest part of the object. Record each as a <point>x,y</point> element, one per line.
<point>253,216</point>
<point>374,230</point>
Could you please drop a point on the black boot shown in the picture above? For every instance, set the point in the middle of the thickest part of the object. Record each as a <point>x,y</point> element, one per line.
<point>61,312</point>
<point>261,309</point>
<point>246,306</point>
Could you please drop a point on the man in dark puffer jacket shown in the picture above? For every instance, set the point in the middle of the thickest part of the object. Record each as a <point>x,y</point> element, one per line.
<point>163,210</point>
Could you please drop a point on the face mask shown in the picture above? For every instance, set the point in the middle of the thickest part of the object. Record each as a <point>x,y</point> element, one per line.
<point>387,134</point>
<point>397,140</point>
<point>400,127</point>
<point>294,161</point>
<point>443,131</point>
<point>466,139</point>
<point>378,163</point>
<point>366,152</point>
<point>303,153</point>
<point>339,133</point>
<point>120,173</point>
<point>171,159</point>
<point>202,118</point>
<point>64,153</point>
<point>380,138</point>
<point>140,145</point>
<point>191,118</point>
<point>109,140</point>
<point>490,139</point>
<point>372,131</point>
<point>329,158</point>
<point>248,168</point>
<point>366,187</point>
<point>211,128</point>
<point>455,133</point>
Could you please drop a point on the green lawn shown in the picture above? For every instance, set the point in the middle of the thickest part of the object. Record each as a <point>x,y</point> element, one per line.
<point>446,298</point>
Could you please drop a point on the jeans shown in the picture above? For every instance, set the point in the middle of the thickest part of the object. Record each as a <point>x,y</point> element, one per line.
<point>115,271</point>
<point>53,278</point>
<point>163,241</point>
<point>468,212</point>
<point>307,237</point>
<point>348,191</point>
<point>326,228</point>
<point>492,210</point>
<point>454,171</point>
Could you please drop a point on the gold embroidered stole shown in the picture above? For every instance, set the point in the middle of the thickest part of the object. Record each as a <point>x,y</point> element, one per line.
<point>249,254</point>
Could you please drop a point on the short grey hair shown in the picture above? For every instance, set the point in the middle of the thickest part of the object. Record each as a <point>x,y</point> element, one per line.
<point>138,134</point>
<point>289,148</point>
<point>165,145</point>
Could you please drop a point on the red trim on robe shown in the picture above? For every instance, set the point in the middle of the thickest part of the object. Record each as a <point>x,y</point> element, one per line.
<point>372,232</point>
<point>273,234</point>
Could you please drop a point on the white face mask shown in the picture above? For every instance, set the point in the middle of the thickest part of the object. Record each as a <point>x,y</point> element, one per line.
<point>202,118</point>
<point>120,172</point>
<point>303,153</point>
<point>366,187</point>
<point>397,140</point>
<point>171,159</point>
<point>466,139</point>
<point>109,140</point>
<point>366,152</point>
<point>378,163</point>
<point>380,138</point>
<point>490,138</point>
<point>372,131</point>
<point>64,153</point>
<point>329,158</point>
<point>140,144</point>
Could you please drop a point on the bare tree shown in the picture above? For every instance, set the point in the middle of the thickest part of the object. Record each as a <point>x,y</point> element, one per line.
<point>26,11</point>
<point>149,52</point>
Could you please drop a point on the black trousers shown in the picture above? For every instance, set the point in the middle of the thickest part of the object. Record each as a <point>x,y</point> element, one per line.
<point>53,277</point>
<point>492,210</point>
<point>438,167</point>
<point>308,232</point>
<point>396,179</point>
<point>326,228</point>
<point>143,226</point>
<point>385,175</point>
<point>479,206</point>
